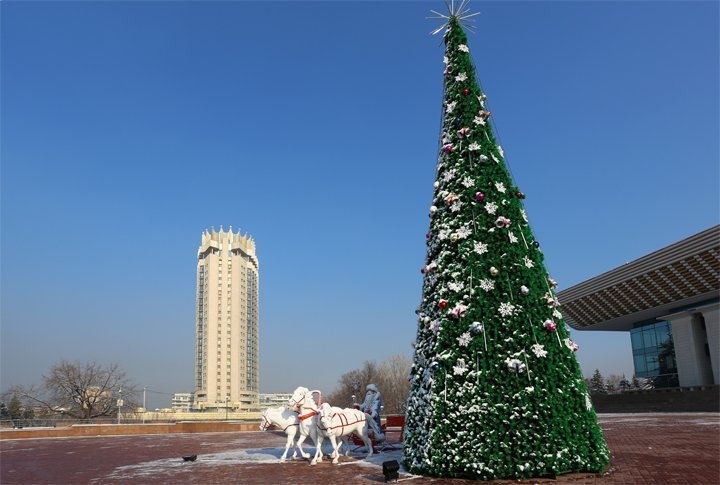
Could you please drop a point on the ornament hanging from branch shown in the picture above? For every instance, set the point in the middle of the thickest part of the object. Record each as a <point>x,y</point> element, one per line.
<point>515,365</point>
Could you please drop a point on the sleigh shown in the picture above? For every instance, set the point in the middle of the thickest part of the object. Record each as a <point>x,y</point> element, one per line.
<point>393,425</point>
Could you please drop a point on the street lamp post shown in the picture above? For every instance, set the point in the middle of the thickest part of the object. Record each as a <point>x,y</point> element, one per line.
<point>119,404</point>
<point>227,399</point>
<point>356,387</point>
<point>144,410</point>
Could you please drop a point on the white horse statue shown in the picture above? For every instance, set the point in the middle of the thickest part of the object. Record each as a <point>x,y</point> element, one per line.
<point>303,402</point>
<point>335,422</point>
<point>288,421</point>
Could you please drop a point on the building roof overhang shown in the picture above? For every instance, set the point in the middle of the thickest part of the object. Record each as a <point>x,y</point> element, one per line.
<point>675,277</point>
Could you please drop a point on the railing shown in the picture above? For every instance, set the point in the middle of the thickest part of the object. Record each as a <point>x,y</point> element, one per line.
<point>159,419</point>
<point>49,422</point>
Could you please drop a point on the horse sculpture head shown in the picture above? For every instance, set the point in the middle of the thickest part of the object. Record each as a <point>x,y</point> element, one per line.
<point>299,397</point>
<point>326,415</point>
<point>265,422</point>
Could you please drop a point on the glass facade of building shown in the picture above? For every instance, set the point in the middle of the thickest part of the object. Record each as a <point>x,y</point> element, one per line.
<point>654,353</point>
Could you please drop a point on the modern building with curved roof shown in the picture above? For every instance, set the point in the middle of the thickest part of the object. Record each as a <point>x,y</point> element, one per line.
<point>669,301</point>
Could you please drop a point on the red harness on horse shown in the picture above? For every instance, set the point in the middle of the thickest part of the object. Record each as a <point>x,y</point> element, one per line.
<point>344,422</point>
<point>266,424</point>
<point>303,417</point>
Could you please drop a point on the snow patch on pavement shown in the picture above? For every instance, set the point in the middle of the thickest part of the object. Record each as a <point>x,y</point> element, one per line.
<point>168,467</point>
<point>171,466</point>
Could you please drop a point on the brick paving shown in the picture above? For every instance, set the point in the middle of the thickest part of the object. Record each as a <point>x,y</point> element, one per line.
<point>646,449</point>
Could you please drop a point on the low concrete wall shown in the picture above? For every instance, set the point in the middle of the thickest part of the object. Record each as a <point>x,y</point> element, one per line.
<point>188,416</point>
<point>674,400</point>
<point>128,429</point>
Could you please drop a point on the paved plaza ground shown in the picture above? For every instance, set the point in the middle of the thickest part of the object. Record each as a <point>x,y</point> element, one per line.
<point>646,449</point>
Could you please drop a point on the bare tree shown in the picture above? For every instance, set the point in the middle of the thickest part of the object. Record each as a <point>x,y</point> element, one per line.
<point>612,382</point>
<point>82,391</point>
<point>391,378</point>
<point>394,384</point>
<point>353,384</point>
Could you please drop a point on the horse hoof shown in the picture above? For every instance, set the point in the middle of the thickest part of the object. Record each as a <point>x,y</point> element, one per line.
<point>282,460</point>
<point>306,455</point>
<point>334,462</point>
<point>312,463</point>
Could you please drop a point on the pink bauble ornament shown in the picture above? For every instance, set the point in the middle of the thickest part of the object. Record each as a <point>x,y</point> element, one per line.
<point>447,148</point>
<point>550,325</point>
<point>479,196</point>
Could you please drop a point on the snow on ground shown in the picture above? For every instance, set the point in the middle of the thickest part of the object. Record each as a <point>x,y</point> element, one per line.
<point>170,466</point>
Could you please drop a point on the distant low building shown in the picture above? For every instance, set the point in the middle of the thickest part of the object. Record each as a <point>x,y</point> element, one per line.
<point>274,400</point>
<point>669,302</point>
<point>182,401</point>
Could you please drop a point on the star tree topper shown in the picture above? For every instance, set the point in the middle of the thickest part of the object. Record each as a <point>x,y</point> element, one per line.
<point>456,9</point>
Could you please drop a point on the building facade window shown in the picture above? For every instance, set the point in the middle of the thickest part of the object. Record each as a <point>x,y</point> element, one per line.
<point>654,353</point>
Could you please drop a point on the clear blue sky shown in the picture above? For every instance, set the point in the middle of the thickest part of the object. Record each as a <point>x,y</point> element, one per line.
<point>130,127</point>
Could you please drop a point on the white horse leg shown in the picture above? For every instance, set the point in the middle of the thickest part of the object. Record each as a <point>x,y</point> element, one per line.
<point>288,443</point>
<point>366,440</point>
<point>346,442</point>
<point>335,453</point>
<point>318,450</point>
<point>299,445</point>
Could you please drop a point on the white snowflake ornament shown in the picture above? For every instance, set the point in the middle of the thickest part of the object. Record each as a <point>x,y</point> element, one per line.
<point>528,262</point>
<point>491,207</point>
<point>460,368</point>
<point>506,309</point>
<point>538,350</point>
<point>480,247</point>
<point>487,285</point>
<point>464,339</point>
<point>463,232</point>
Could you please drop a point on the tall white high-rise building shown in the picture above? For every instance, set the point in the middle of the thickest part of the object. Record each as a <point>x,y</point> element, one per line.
<point>226,346</point>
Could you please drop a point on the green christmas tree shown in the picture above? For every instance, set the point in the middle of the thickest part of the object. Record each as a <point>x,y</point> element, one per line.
<point>496,390</point>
